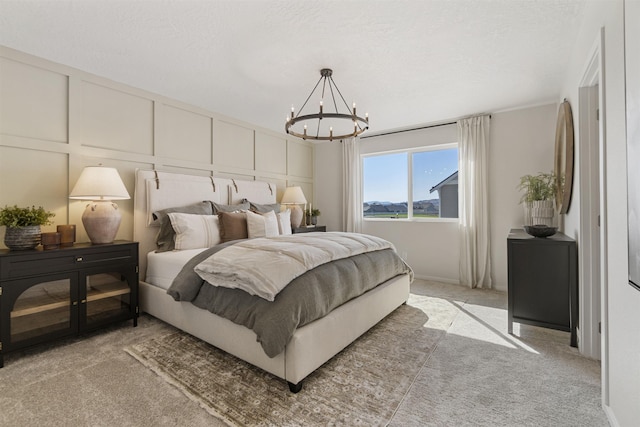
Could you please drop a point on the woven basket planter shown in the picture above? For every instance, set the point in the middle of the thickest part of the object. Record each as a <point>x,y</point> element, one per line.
<point>542,212</point>
<point>22,238</point>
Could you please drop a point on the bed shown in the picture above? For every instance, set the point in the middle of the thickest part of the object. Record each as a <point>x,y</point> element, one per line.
<point>310,346</point>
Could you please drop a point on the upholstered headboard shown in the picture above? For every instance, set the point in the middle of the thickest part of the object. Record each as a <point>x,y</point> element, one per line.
<point>155,190</point>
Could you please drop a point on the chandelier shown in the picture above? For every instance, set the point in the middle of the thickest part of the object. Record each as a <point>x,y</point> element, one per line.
<point>324,125</point>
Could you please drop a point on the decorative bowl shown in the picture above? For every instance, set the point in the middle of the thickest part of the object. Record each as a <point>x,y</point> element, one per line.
<point>540,230</point>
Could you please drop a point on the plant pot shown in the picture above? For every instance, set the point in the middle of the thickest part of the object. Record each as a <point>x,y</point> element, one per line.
<point>542,212</point>
<point>22,238</point>
<point>312,220</point>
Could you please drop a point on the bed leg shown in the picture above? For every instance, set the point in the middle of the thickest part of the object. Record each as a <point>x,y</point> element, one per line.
<point>295,388</point>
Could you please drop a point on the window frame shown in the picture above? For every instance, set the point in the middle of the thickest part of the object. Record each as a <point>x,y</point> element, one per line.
<point>409,152</point>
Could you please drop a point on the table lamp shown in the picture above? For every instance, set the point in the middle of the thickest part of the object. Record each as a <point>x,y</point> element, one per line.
<point>294,196</point>
<point>101,218</point>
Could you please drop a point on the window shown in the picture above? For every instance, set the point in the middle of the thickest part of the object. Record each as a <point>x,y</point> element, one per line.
<point>430,175</point>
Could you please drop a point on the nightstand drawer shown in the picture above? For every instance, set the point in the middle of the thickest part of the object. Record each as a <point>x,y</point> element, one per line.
<point>106,255</point>
<point>36,262</point>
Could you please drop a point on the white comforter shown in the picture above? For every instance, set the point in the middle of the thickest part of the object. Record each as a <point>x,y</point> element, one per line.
<point>264,266</point>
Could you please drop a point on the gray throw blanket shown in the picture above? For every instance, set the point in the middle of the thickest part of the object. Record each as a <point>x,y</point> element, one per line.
<point>307,298</point>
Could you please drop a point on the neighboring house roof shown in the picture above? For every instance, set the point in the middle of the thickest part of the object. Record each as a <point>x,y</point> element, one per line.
<point>450,180</point>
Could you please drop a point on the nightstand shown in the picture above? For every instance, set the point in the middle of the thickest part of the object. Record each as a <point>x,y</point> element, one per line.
<point>543,282</point>
<point>46,295</point>
<point>308,229</point>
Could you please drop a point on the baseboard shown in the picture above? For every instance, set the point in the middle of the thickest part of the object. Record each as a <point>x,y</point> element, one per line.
<point>437,279</point>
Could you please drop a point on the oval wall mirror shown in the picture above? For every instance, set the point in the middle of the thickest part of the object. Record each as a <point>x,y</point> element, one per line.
<point>563,167</point>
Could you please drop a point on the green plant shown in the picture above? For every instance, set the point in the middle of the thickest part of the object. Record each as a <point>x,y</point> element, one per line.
<point>538,187</point>
<point>312,212</point>
<point>13,216</point>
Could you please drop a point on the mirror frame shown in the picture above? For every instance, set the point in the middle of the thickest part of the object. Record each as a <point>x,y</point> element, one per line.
<point>564,150</point>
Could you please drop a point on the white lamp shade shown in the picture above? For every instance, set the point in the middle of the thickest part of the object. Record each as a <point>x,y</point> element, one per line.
<point>99,183</point>
<point>293,196</point>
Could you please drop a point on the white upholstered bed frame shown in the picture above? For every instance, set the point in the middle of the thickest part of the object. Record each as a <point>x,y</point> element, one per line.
<point>311,345</point>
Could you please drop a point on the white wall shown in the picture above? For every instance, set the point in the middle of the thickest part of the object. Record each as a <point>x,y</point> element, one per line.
<point>54,120</point>
<point>522,142</point>
<point>621,348</point>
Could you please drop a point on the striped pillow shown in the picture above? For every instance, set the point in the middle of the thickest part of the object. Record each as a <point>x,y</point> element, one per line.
<point>195,231</point>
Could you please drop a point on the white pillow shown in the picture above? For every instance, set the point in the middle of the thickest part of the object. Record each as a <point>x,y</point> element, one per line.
<point>284,222</point>
<point>195,231</point>
<point>262,225</point>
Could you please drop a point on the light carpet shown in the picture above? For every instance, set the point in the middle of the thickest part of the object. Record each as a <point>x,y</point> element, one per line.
<point>362,385</point>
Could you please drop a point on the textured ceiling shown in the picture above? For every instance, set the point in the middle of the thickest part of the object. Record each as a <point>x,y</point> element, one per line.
<point>404,62</point>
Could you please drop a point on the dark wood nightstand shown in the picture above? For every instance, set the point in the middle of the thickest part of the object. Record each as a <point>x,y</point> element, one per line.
<point>46,295</point>
<point>308,229</point>
<point>543,282</point>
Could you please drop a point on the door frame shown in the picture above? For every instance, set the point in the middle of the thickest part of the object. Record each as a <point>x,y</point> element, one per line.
<point>593,335</point>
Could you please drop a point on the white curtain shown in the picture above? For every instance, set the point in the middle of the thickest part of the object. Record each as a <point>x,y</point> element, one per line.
<point>351,187</point>
<point>473,212</point>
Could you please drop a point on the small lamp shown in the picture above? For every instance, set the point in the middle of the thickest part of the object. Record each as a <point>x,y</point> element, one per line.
<point>294,196</point>
<point>101,218</point>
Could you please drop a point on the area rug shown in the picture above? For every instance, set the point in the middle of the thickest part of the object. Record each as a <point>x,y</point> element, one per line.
<point>362,385</point>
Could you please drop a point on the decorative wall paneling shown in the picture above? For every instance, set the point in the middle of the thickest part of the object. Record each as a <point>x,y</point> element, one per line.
<point>55,120</point>
<point>33,102</point>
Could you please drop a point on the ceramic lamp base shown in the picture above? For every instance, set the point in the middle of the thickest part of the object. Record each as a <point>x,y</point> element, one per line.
<point>296,216</point>
<point>101,220</point>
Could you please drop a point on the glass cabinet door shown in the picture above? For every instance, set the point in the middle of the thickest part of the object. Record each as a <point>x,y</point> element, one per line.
<point>41,308</point>
<point>107,297</point>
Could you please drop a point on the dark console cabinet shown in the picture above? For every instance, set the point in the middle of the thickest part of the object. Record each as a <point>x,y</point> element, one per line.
<point>45,295</point>
<point>543,282</point>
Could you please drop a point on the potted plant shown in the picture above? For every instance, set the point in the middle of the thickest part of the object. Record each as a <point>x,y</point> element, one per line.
<point>23,226</point>
<point>312,216</point>
<point>539,193</point>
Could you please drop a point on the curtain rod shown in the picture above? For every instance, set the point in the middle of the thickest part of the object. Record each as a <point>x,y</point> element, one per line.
<point>411,130</point>
<point>408,130</point>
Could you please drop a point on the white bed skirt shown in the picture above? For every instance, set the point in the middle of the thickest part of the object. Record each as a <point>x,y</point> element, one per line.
<point>311,346</point>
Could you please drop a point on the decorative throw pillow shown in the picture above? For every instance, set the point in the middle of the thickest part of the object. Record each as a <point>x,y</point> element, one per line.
<point>233,226</point>
<point>284,222</point>
<point>262,225</point>
<point>255,207</point>
<point>217,208</point>
<point>165,240</point>
<point>195,231</point>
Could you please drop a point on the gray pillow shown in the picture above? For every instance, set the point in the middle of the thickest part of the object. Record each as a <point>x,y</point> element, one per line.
<point>265,208</point>
<point>165,240</point>
<point>217,208</point>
